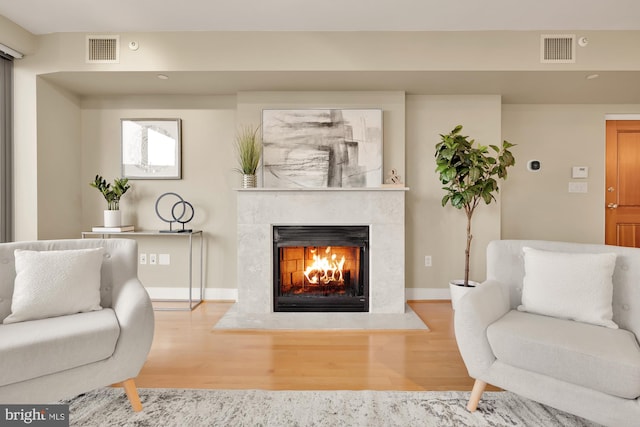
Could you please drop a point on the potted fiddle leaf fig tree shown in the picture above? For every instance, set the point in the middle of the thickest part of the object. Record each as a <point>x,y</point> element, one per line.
<point>112,195</point>
<point>248,148</point>
<point>469,173</point>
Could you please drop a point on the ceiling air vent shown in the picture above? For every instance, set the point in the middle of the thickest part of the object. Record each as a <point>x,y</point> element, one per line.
<point>558,49</point>
<point>103,49</point>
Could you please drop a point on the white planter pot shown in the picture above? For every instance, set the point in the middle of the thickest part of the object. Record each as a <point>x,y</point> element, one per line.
<point>112,218</point>
<point>458,290</point>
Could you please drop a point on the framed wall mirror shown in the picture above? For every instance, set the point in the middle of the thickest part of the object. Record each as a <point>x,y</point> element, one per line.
<point>151,148</point>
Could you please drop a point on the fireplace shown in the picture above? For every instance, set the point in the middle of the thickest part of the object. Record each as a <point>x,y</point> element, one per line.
<point>381,209</point>
<point>321,268</point>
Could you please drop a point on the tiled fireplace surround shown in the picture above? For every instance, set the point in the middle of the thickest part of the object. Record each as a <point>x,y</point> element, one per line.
<point>382,209</point>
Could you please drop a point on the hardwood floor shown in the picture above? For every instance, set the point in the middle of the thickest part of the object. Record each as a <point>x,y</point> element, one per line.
<point>188,353</point>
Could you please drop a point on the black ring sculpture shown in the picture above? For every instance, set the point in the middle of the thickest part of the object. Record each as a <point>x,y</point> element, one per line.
<point>176,218</point>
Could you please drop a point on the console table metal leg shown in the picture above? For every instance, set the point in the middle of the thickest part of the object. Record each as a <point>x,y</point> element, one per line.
<point>201,267</point>
<point>192,302</point>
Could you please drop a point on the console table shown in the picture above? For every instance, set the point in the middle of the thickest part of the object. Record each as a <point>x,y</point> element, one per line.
<point>192,302</point>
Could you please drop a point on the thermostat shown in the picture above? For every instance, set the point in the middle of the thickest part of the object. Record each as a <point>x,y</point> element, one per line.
<point>533,165</point>
<point>580,172</point>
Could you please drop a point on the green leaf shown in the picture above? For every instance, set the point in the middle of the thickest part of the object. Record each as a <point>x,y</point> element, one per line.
<point>457,201</point>
<point>474,174</point>
<point>447,153</point>
<point>487,197</point>
<point>449,174</point>
<point>507,158</point>
<point>441,167</point>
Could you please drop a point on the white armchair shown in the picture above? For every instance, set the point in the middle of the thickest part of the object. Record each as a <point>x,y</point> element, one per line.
<point>588,370</point>
<point>50,359</point>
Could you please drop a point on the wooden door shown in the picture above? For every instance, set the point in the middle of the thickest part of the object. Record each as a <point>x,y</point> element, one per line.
<point>622,192</point>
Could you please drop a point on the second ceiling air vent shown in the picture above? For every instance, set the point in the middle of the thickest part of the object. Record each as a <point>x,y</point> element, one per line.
<point>558,49</point>
<point>103,49</point>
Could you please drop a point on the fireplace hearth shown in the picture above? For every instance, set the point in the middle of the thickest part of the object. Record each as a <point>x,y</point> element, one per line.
<point>321,268</point>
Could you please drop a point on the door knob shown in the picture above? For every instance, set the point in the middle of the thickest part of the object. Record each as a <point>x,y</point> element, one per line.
<point>612,205</point>
<point>610,189</point>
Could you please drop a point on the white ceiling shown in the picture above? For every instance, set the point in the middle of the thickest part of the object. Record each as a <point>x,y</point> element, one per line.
<point>51,16</point>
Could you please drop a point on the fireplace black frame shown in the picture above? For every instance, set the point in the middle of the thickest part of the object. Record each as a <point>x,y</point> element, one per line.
<point>323,235</point>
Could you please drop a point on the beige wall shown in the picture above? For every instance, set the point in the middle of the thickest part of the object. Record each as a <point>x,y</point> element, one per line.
<point>51,124</point>
<point>208,126</point>
<point>343,51</point>
<point>432,229</point>
<point>59,147</point>
<point>16,37</point>
<point>537,205</point>
<point>209,182</point>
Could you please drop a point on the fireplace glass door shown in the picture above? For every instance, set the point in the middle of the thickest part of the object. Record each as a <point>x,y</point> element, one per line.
<point>321,268</point>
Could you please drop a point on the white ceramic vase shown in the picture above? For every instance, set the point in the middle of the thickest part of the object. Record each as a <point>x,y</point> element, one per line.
<point>458,290</point>
<point>112,218</point>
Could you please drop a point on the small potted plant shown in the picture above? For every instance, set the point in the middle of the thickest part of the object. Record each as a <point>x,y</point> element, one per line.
<point>248,148</point>
<point>112,195</point>
<point>469,174</point>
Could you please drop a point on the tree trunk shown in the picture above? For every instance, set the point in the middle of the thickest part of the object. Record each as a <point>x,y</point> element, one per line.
<point>467,250</point>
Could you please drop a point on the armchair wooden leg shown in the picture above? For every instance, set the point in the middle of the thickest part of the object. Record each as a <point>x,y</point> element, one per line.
<point>476,394</point>
<point>132,393</point>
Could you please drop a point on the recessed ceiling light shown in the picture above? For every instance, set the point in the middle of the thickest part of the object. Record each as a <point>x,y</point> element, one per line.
<point>163,77</point>
<point>592,76</point>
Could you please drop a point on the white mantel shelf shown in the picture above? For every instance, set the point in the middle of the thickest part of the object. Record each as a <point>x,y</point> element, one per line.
<point>273,189</point>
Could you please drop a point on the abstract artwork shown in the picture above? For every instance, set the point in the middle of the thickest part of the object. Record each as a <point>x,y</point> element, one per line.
<point>318,148</point>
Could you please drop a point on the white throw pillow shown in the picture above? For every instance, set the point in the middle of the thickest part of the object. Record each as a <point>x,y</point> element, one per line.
<point>574,286</point>
<point>55,283</point>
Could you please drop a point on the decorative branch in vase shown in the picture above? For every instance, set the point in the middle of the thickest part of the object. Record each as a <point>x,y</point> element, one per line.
<point>112,195</point>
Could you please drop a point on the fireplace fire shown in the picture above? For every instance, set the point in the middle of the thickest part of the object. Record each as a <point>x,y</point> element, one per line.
<point>324,269</point>
<point>321,268</point>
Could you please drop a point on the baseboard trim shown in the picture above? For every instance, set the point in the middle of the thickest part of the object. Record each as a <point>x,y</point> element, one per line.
<point>211,294</point>
<point>427,294</point>
<point>226,294</point>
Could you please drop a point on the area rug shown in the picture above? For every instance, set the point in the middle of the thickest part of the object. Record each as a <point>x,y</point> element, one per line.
<point>194,408</point>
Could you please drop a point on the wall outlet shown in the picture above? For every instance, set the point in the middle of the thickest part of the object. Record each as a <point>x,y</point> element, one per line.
<point>143,258</point>
<point>153,260</point>
<point>164,259</point>
<point>427,261</point>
